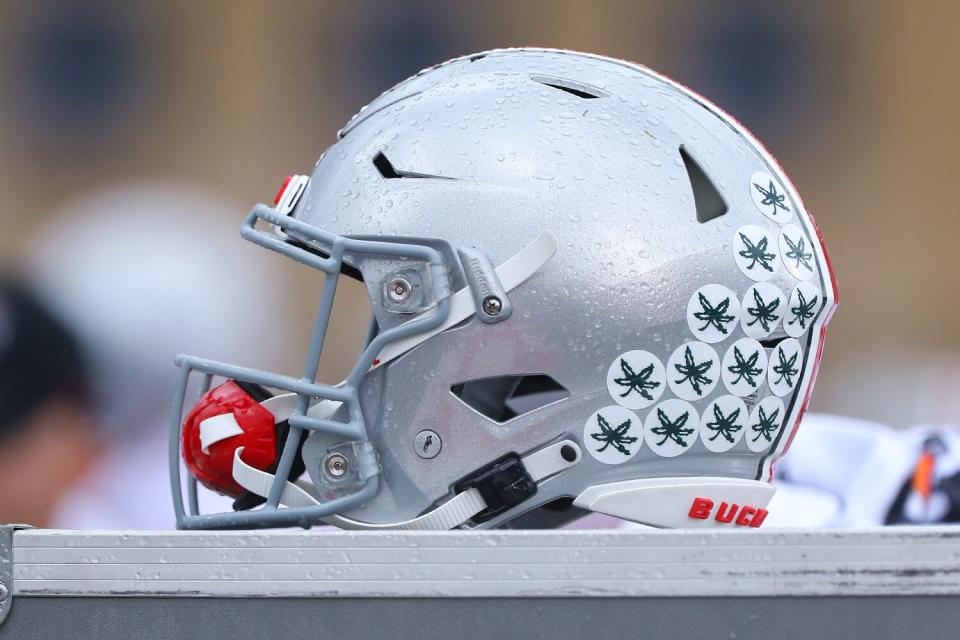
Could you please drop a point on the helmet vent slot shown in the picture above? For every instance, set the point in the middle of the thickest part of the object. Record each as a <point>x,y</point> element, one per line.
<point>772,341</point>
<point>573,88</point>
<point>706,197</point>
<point>504,398</point>
<point>387,170</point>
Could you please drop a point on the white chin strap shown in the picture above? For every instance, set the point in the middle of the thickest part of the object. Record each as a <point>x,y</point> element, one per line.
<point>540,465</point>
<point>511,274</point>
<point>454,512</point>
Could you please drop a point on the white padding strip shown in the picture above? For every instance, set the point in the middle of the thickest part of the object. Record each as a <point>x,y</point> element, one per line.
<point>217,428</point>
<point>450,514</point>
<point>511,273</point>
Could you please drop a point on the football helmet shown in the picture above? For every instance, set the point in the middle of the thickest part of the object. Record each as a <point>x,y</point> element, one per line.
<point>591,288</point>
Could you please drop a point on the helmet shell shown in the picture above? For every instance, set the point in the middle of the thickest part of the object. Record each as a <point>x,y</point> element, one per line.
<point>493,149</point>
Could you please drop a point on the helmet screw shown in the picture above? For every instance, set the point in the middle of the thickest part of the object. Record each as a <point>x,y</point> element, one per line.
<point>427,444</point>
<point>4,592</point>
<point>336,465</point>
<point>492,305</point>
<point>398,289</point>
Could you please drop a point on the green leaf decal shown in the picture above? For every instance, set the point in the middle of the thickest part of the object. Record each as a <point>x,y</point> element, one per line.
<point>797,253</point>
<point>711,315</point>
<point>724,425</point>
<point>745,368</point>
<point>672,429</point>
<point>786,369</point>
<point>772,197</point>
<point>757,253</point>
<point>636,382</point>
<point>693,372</point>
<point>614,437</point>
<point>766,425</point>
<point>804,310</point>
<point>763,312</point>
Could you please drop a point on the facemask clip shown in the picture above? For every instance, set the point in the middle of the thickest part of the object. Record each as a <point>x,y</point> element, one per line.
<point>489,294</point>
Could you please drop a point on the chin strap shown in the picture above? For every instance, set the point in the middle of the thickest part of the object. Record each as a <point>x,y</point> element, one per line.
<point>540,465</point>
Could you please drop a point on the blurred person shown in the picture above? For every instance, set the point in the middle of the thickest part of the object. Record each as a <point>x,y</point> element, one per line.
<point>48,435</point>
<point>846,472</point>
<point>143,271</point>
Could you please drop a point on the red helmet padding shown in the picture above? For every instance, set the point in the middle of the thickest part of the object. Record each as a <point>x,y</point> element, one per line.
<point>259,438</point>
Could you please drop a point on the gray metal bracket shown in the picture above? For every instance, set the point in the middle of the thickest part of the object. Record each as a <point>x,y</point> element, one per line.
<point>6,567</point>
<point>6,571</point>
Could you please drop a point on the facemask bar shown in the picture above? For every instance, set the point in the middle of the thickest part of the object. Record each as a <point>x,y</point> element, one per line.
<point>306,388</point>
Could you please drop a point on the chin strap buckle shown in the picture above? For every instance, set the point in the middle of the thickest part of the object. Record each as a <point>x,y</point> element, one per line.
<point>503,484</point>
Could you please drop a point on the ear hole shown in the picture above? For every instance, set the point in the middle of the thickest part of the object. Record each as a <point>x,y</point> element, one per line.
<point>504,398</point>
<point>707,199</point>
<point>573,88</point>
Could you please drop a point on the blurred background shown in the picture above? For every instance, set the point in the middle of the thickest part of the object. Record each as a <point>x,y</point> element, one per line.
<point>135,137</point>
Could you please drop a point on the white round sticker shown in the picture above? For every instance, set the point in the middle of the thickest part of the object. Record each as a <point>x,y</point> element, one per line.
<point>636,379</point>
<point>764,424</point>
<point>763,307</point>
<point>786,361</point>
<point>744,367</point>
<point>770,197</point>
<point>723,423</point>
<point>693,370</point>
<point>796,253</point>
<point>754,249</point>
<point>671,427</point>
<point>613,434</point>
<point>805,303</point>
<point>712,312</point>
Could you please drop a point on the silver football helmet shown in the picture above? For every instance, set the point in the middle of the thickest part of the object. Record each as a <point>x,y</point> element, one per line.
<point>592,289</point>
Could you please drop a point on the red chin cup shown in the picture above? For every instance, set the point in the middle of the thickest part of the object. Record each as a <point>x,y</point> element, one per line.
<point>259,438</point>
